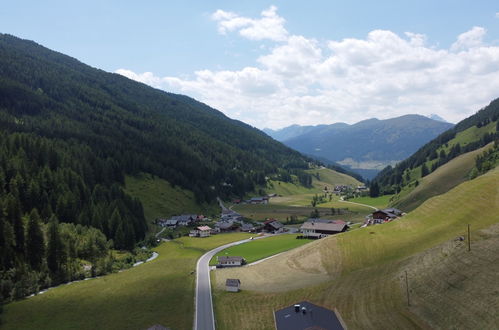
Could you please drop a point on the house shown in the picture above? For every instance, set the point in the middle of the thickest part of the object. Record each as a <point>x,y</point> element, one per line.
<point>273,226</point>
<point>167,223</point>
<point>386,215</point>
<point>225,226</point>
<point>203,231</point>
<point>319,228</point>
<point>226,261</point>
<point>305,315</point>
<point>259,200</point>
<point>232,285</point>
<point>248,227</point>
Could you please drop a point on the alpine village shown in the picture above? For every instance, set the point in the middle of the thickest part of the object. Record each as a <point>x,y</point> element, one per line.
<point>126,206</point>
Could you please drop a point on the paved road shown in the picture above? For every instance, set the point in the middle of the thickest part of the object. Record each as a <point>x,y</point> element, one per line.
<point>203,318</point>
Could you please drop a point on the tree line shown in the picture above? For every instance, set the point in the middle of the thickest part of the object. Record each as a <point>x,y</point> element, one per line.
<point>392,179</point>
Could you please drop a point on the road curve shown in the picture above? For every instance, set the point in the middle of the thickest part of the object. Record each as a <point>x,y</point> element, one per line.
<point>372,207</point>
<point>203,317</point>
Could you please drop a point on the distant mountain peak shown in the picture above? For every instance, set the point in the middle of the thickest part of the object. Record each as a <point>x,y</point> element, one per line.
<point>436,117</point>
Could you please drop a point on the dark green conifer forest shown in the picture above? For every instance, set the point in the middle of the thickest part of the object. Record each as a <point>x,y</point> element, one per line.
<point>70,133</point>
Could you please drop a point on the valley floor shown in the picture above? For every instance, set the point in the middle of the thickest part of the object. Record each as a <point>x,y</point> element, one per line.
<point>362,272</point>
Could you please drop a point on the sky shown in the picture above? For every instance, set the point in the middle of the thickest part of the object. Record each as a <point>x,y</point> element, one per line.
<point>277,63</point>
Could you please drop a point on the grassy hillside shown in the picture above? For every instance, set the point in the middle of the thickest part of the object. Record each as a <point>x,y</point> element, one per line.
<point>160,199</point>
<point>442,180</point>
<point>158,292</point>
<point>295,200</point>
<point>468,135</point>
<point>361,272</point>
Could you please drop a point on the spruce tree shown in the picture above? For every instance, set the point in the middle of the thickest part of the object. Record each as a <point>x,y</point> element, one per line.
<point>35,245</point>
<point>56,254</point>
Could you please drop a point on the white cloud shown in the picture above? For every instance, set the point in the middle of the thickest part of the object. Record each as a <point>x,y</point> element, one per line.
<point>269,26</point>
<point>470,39</point>
<point>303,81</point>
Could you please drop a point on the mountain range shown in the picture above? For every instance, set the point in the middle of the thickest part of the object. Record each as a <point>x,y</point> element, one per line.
<point>365,147</point>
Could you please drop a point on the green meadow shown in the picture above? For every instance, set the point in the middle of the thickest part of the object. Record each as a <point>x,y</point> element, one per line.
<point>362,273</point>
<point>158,292</point>
<point>262,248</point>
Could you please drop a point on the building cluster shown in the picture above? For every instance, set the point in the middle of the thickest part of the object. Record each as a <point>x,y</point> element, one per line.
<point>183,220</point>
<point>383,216</point>
<point>341,189</point>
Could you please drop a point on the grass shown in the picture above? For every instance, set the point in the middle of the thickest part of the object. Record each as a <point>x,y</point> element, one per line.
<point>262,248</point>
<point>160,199</point>
<point>380,202</point>
<point>283,213</point>
<point>361,272</point>
<point>327,177</point>
<point>158,292</point>
<point>442,180</point>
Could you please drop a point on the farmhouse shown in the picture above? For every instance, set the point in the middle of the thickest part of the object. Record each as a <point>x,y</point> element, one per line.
<point>203,231</point>
<point>226,226</point>
<point>305,315</point>
<point>259,200</point>
<point>232,285</point>
<point>226,261</point>
<point>387,214</point>
<point>273,226</point>
<point>167,223</point>
<point>319,228</point>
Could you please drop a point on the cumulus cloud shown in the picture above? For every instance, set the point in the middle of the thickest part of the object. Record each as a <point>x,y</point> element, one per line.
<point>269,26</point>
<point>470,39</point>
<point>304,81</point>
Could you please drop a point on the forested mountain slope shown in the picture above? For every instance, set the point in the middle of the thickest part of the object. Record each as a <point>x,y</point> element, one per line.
<point>466,137</point>
<point>367,146</point>
<point>70,133</point>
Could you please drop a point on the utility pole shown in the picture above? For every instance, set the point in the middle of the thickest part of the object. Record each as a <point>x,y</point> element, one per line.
<point>407,289</point>
<point>469,239</point>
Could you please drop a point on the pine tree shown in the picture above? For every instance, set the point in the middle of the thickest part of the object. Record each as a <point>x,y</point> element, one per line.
<point>374,189</point>
<point>35,245</point>
<point>424,170</point>
<point>56,254</point>
<point>119,238</point>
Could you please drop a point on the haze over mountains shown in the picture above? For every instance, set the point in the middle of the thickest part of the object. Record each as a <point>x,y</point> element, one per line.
<point>365,147</point>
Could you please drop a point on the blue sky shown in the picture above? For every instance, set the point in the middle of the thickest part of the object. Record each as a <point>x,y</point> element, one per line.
<point>275,63</point>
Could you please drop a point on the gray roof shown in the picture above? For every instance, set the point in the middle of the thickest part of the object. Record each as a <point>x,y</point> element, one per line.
<point>329,226</point>
<point>232,282</point>
<point>225,259</point>
<point>315,317</point>
<point>393,211</point>
<point>325,220</point>
<point>276,224</point>
<point>224,224</point>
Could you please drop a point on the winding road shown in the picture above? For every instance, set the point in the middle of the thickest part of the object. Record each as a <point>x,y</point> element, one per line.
<point>204,318</point>
<point>344,201</point>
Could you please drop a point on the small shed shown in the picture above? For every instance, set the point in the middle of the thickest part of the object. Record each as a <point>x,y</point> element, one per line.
<point>233,285</point>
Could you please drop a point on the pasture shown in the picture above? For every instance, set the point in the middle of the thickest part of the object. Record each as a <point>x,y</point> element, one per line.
<point>158,292</point>
<point>262,248</point>
<point>361,273</point>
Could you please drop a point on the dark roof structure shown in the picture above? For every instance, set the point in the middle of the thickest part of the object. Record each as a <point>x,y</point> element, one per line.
<point>325,226</point>
<point>226,259</point>
<point>233,282</point>
<point>305,315</point>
